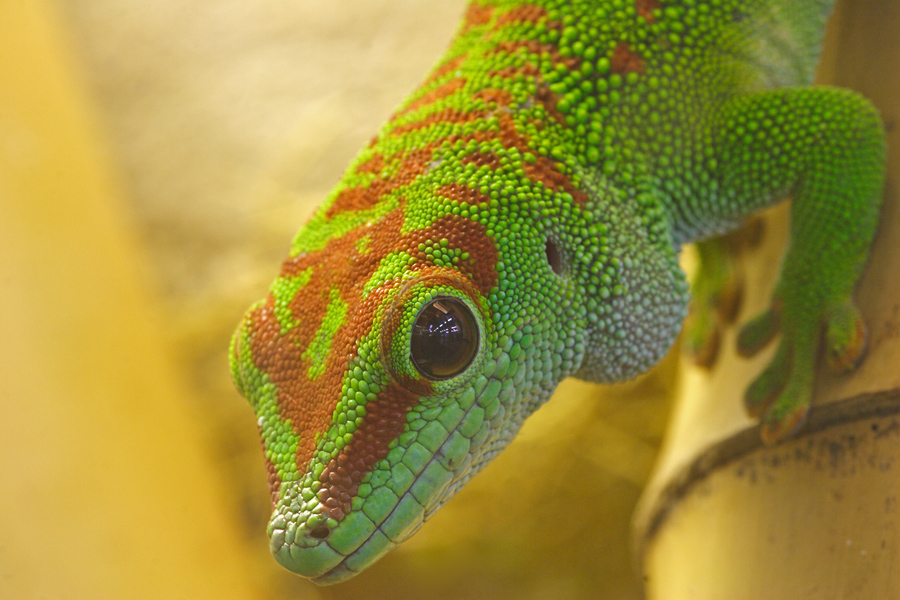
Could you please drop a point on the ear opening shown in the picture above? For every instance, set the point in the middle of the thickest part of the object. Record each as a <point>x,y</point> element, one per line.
<point>554,257</point>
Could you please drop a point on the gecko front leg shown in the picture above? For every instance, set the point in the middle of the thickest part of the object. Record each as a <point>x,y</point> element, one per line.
<point>825,148</point>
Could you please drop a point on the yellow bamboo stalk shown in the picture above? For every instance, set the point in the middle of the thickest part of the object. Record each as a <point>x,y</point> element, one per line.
<point>817,516</point>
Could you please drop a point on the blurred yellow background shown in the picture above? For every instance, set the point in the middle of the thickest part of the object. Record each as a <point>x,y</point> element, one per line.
<point>155,160</point>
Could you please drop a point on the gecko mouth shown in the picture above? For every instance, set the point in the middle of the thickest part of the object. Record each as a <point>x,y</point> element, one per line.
<point>319,557</point>
<point>380,544</point>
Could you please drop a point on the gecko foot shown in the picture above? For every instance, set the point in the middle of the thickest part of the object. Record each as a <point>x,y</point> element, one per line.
<point>846,338</point>
<point>716,294</point>
<point>780,396</point>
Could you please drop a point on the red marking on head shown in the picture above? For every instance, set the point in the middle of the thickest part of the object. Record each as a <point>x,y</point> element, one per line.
<point>374,165</point>
<point>549,100</point>
<point>527,69</point>
<point>544,170</point>
<point>546,97</point>
<point>492,97</point>
<point>455,191</point>
<point>495,96</point>
<point>384,421</point>
<point>645,8</point>
<point>412,164</point>
<point>358,198</point>
<point>446,68</point>
<point>445,115</point>
<point>537,48</point>
<point>271,477</point>
<point>415,163</point>
<point>386,416</point>
<point>522,14</point>
<point>442,91</point>
<point>625,61</point>
<point>471,237</point>
<point>309,404</point>
<point>480,159</point>
<point>476,15</point>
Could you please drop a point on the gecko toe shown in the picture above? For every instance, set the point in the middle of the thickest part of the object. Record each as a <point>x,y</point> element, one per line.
<point>757,333</point>
<point>762,393</point>
<point>846,338</point>
<point>701,338</point>
<point>775,429</point>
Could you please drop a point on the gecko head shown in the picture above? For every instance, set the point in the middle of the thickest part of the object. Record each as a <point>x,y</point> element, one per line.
<point>385,374</point>
<point>353,477</point>
<point>392,360</point>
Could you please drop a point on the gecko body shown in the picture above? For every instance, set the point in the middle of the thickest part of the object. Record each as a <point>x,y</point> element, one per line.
<point>518,221</point>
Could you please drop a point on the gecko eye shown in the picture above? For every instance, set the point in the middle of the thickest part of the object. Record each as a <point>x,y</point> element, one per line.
<point>444,339</point>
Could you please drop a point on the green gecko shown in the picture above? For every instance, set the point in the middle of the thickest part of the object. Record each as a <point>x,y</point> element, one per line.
<point>518,221</point>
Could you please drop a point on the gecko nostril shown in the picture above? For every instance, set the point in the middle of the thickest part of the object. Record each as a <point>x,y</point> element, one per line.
<point>320,533</point>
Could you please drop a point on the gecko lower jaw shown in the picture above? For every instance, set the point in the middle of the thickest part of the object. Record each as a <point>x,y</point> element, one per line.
<point>317,558</point>
<point>373,551</point>
<point>331,554</point>
<point>377,545</point>
<point>324,565</point>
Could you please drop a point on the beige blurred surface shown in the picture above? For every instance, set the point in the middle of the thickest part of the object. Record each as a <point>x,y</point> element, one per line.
<point>208,131</point>
<point>108,491</point>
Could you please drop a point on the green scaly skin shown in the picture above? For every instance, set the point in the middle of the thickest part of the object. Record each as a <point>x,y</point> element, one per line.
<point>545,176</point>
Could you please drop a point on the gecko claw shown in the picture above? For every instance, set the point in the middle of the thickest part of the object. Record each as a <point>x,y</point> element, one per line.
<point>702,337</point>
<point>716,295</point>
<point>846,338</point>
<point>762,393</point>
<point>780,428</point>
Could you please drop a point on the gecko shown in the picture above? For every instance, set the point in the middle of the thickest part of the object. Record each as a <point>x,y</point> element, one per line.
<point>518,221</point>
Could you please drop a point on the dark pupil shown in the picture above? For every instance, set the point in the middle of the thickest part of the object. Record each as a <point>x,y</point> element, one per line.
<point>444,339</point>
